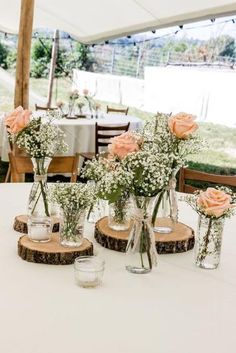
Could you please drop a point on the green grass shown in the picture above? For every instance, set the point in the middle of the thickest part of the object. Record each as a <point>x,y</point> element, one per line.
<point>220,158</point>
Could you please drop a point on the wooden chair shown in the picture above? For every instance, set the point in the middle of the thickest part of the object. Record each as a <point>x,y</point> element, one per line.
<point>117,110</point>
<point>37,107</point>
<point>103,134</point>
<point>190,174</point>
<point>59,164</point>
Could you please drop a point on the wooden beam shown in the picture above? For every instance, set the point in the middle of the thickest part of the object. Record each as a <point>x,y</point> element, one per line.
<point>23,54</point>
<point>52,67</point>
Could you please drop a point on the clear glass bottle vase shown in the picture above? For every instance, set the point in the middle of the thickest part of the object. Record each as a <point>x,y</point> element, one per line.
<point>71,227</point>
<point>141,254</point>
<point>208,242</point>
<point>165,210</point>
<point>119,214</point>
<point>39,221</point>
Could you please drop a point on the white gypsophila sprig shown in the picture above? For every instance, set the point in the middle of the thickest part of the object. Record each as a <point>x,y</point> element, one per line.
<point>73,196</point>
<point>150,171</point>
<point>156,132</point>
<point>115,184</point>
<point>94,170</point>
<point>42,138</point>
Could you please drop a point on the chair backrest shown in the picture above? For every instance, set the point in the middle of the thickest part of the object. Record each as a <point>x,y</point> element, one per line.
<point>37,107</point>
<point>59,164</point>
<point>117,110</point>
<point>190,174</point>
<point>103,134</point>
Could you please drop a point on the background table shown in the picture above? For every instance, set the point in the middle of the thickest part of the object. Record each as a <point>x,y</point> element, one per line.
<point>79,133</point>
<point>177,308</point>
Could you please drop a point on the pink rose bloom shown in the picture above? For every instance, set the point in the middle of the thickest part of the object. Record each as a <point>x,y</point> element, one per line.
<point>182,125</point>
<point>17,120</point>
<point>214,202</point>
<point>124,144</point>
<point>85,91</point>
<point>59,104</point>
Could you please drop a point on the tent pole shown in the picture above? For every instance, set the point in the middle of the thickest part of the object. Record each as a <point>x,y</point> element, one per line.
<point>23,54</point>
<point>52,66</point>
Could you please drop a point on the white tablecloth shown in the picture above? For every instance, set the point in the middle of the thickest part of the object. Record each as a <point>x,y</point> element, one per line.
<point>177,308</point>
<point>79,133</point>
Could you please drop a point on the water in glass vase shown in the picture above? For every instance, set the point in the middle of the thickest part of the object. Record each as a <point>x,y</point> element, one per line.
<point>39,221</point>
<point>119,214</point>
<point>141,254</point>
<point>72,227</point>
<point>166,208</point>
<point>208,242</point>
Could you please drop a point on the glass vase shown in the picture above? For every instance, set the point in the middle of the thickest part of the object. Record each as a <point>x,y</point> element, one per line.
<point>39,221</point>
<point>166,207</point>
<point>208,242</point>
<point>119,214</point>
<point>141,254</point>
<point>71,227</point>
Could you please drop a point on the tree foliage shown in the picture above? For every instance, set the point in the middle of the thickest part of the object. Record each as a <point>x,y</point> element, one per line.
<point>67,59</point>
<point>3,55</point>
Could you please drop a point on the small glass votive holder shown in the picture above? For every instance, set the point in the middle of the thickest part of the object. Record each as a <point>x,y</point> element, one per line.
<point>88,271</point>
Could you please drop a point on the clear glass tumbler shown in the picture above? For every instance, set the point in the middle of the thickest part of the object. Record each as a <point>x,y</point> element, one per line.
<point>88,271</point>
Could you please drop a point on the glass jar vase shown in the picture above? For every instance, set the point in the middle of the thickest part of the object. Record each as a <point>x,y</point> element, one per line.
<point>208,242</point>
<point>71,227</point>
<point>119,214</point>
<point>39,221</point>
<point>166,207</point>
<point>141,254</point>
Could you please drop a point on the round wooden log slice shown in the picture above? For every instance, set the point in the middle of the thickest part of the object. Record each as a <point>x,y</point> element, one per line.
<point>20,224</point>
<point>181,239</point>
<point>52,253</point>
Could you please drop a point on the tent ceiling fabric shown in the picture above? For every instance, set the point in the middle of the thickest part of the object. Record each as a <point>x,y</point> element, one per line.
<point>93,21</point>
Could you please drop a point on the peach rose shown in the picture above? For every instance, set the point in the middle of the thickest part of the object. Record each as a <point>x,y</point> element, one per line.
<point>59,104</point>
<point>97,106</point>
<point>182,125</point>
<point>214,202</point>
<point>17,120</point>
<point>124,144</point>
<point>85,91</point>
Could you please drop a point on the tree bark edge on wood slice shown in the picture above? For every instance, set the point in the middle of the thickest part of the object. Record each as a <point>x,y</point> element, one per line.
<point>20,224</point>
<point>52,253</point>
<point>180,240</point>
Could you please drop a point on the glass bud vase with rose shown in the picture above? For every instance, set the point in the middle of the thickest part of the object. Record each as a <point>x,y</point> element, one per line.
<point>147,171</point>
<point>175,136</point>
<point>212,206</point>
<point>40,138</point>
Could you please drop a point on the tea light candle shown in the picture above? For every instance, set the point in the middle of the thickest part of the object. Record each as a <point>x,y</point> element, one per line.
<point>88,271</point>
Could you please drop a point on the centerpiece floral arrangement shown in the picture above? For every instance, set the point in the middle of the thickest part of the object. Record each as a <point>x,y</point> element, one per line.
<point>77,102</point>
<point>40,138</point>
<point>213,206</point>
<point>175,136</point>
<point>132,168</point>
<point>73,199</point>
<point>38,135</point>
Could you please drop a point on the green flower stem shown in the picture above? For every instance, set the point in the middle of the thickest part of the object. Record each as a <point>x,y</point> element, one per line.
<point>141,248</point>
<point>203,253</point>
<point>45,201</point>
<point>156,207</point>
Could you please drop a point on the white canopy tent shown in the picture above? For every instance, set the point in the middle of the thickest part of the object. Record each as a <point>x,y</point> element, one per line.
<point>95,20</point>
